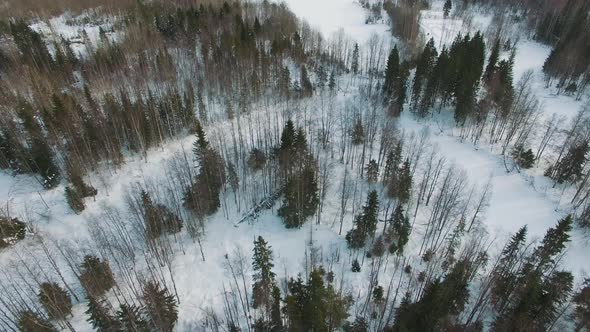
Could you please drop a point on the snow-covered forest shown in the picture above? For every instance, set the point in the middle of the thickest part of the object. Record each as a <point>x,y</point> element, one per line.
<point>331,165</point>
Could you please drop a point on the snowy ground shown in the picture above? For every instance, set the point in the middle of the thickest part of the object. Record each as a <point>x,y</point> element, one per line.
<point>517,199</point>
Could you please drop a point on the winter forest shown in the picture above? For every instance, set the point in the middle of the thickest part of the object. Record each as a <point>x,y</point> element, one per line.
<point>306,165</point>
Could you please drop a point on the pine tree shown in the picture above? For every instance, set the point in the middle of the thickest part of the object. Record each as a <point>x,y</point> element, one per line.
<point>96,276</point>
<point>99,316</point>
<point>275,311</point>
<point>447,8</point>
<point>356,267</point>
<point>130,319</point>
<point>55,300</point>
<point>161,307</point>
<point>29,321</point>
<point>355,59</point>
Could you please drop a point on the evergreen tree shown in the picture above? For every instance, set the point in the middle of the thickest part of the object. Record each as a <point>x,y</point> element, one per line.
<point>372,171</point>
<point>570,167</point>
<point>29,321</point>
<point>358,132</point>
<point>392,73</point>
<point>263,278</point>
<point>55,300</point>
<point>492,61</point>
<point>130,319</point>
<point>275,311</point>
<point>100,317</point>
<point>365,224</point>
<point>332,81</point>
<point>447,8</point>
<point>356,267</point>
<point>306,87</point>
<point>355,59</point>
<point>314,306</point>
<point>74,200</point>
<point>399,230</point>
<point>160,306</point>
<point>440,300</point>
<point>360,324</point>
<point>423,68</point>
<point>522,157</point>
<point>300,198</point>
<point>96,276</point>
<point>581,300</point>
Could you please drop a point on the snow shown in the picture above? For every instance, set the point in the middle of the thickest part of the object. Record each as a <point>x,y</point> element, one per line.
<point>330,16</point>
<point>72,30</point>
<point>517,198</point>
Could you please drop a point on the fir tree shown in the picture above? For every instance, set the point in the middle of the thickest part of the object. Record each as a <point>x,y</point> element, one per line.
<point>300,198</point>
<point>492,61</point>
<point>74,200</point>
<point>392,73</point>
<point>355,59</point>
<point>581,300</point>
<point>96,276</point>
<point>423,68</point>
<point>99,316</point>
<point>29,321</point>
<point>399,230</point>
<point>447,8</point>
<point>129,318</point>
<point>356,267</point>
<point>262,264</point>
<point>332,81</point>
<point>569,168</point>
<point>55,300</point>
<point>365,224</point>
<point>358,132</point>
<point>372,170</point>
<point>160,306</point>
<point>524,158</point>
<point>306,87</point>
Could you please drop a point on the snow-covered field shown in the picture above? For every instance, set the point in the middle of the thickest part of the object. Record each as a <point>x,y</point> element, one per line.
<point>517,198</point>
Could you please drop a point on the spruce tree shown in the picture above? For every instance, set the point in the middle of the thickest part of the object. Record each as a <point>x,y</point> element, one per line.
<point>306,86</point>
<point>96,276</point>
<point>372,170</point>
<point>492,61</point>
<point>524,158</point>
<point>74,200</point>
<point>355,59</point>
<point>423,68</point>
<point>55,300</point>
<point>29,321</point>
<point>358,132</point>
<point>161,307</point>
<point>447,8</point>
<point>399,230</point>
<point>99,316</point>
<point>392,73</point>
<point>11,231</point>
<point>581,301</point>
<point>264,277</point>
<point>129,318</point>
